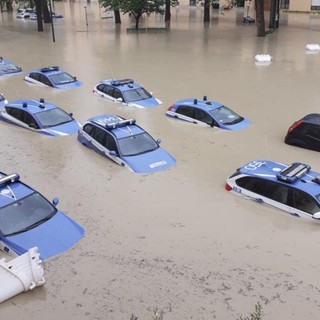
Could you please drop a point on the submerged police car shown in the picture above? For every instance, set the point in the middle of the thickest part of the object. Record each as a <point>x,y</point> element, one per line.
<point>52,77</point>
<point>125,143</point>
<point>39,116</point>
<point>206,112</point>
<point>27,220</point>
<point>293,188</point>
<point>127,92</point>
<point>8,68</point>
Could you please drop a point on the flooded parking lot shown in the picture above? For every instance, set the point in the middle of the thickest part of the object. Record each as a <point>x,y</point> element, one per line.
<point>174,240</point>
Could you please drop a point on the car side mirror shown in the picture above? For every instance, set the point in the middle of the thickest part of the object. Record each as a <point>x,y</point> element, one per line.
<point>119,99</point>
<point>71,114</point>
<point>113,153</point>
<point>55,201</point>
<point>316,216</point>
<point>151,93</point>
<point>158,141</point>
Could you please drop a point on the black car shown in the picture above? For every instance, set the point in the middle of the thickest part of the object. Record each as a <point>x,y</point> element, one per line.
<point>305,133</point>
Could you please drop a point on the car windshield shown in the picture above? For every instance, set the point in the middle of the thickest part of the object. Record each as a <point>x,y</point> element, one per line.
<point>137,144</point>
<point>25,214</point>
<point>53,117</point>
<point>226,116</point>
<point>62,78</point>
<point>8,68</point>
<point>136,95</point>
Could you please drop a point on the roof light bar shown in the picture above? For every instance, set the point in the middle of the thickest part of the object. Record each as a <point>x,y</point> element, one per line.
<point>120,123</point>
<point>293,172</point>
<point>9,179</point>
<point>121,82</point>
<point>48,69</point>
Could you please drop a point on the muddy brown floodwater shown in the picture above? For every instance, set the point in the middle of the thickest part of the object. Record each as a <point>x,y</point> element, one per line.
<point>175,240</point>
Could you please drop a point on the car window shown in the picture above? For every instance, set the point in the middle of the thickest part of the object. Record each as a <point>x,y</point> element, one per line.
<point>25,213</point>
<point>117,94</point>
<point>253,184</point>
<point>136,95</point>
<point>304,202</point>
<point>45,80</point>
<point>101,87</point>
<point>29,120</point>
<point>313,131</point>
<point>186,111</point>
<point>88,128</point>
<point>15,112</point>
<point>109,91</point>
<point>110,142</point>
<point>35,76</point>
<point>62,78</point>
<point>203,116</point>
<point>100,136</point>
<point>226,116</point>
<point>137,144</point>
<point>53,117</point>
<point>277,192</point>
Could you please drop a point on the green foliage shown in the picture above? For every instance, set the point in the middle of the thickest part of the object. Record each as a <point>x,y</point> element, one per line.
<point>256,315</point>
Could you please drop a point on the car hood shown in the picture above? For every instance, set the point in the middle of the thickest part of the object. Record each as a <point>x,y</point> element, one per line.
<point>157,160</point>
<point>238,126</point>
<point>146,103</point>
<point>65,129</point>
<point>52,237</point>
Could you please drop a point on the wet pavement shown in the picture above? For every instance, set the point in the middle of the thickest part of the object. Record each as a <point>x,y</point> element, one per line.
<point>174,240</point>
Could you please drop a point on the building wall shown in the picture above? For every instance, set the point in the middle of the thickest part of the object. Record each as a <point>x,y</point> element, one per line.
<point>300,5</point>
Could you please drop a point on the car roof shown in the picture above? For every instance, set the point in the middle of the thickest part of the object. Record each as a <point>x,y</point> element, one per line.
<point>203,104</point>
<point>48,70</point>
<point>121,84</point>
<point>12,189</point>
<point>32,106</point>
<point>313,118</point>
<point>296,174</point>
<point>117,125</point>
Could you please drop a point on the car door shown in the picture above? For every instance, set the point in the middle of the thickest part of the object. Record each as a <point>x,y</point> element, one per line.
<point>204,117</point>
<point>303,204</point>
<point>99,140</point>
<point>44,79</point>
<point>186,113</point>
<point>312,137</point>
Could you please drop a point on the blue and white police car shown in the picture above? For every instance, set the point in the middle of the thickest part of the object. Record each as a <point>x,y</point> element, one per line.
<point>127,92</point>
<point>39,116</point>
<point>294,188</point>
<point>125,143</point>
<point>206,112</point>
<point>27,220</point>
<point>52,77</point>
<point>8,68</point>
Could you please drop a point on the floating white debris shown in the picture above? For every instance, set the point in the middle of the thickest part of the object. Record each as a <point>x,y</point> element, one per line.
<point>20,274</point>
<point>313,47</point>
<point>263,58</point>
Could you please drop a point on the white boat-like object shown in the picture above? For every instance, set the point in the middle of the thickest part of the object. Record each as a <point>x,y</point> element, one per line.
<point>20,274</point>
<point>263,58</point>
<point>313,47</point>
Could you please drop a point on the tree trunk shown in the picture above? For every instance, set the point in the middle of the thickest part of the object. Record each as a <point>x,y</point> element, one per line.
<point>261,29</point>
<point>167,16</point>
<point>46,13</point>
<point>274,14</point>
<point>117,18</point>
<point>137,17</point>
<point>39,15</point>
<point>206,16</point>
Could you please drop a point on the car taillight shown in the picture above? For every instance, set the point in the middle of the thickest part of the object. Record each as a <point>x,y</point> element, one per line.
<point>170,108</point>
<point>295,125</point>
<point>227,187</point>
